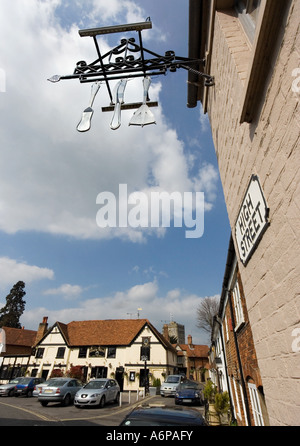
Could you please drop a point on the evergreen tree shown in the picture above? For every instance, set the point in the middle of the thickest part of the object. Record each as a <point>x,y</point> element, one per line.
<point>10,314</point>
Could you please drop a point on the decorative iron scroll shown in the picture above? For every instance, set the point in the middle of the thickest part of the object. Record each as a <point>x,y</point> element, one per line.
<point>129,60</point>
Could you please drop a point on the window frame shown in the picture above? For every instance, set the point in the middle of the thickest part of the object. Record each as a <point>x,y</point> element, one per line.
<point>39,352</point>
<point>255,404</point>
<point>82,352</point>
<point>60,354</point>
<point>247,21</point>
<point>111,352</point>
<point>237,304</point>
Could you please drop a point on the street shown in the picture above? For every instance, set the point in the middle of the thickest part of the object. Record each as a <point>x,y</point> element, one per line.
<point>23,411</point>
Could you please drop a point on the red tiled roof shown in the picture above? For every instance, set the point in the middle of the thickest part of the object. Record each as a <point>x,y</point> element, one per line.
<point>106,332</point>
<point>19,336</point>
<point>198,351</point>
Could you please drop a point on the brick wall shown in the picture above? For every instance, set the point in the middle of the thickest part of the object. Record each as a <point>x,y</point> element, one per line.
<point>246,349</point>
<point>269,148</point>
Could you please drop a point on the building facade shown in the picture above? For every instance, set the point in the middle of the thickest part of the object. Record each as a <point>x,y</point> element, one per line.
<point>235,360</point>
<point>130,350</point>
<point>192,360</point>
<point>16,352</point>
<point>251,48</point>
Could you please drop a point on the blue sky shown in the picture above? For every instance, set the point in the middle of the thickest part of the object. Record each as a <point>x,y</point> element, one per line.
<point>50,174</point>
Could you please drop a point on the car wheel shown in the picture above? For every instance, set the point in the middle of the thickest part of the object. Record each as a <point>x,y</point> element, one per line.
<point>67,400</point>
<point>44,403</point>
<point>102,402</point>
<point>11,392</point>
<point>29,393</point>
<point>117,400</point>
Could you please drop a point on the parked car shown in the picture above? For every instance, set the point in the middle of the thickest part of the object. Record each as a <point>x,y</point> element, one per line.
<point>26,386</point>
<point>38,388</point>
<point>9,388</point>
<point>59,390</point>
<point>163,416</point>
<point>189,392</point>
<point>97,393</point>
<point>171,384</point>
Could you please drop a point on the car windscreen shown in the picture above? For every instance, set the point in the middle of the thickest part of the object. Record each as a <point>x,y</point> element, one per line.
<point>190,385</point>
<point>95,385</point>
<point>15,381</point>
<point>56,382</point>
<point>172,379</point>
<point>24,381</point>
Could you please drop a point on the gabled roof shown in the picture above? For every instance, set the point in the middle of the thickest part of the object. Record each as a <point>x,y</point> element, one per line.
<point>108,332</point>
<point>197,351</point>
<point>19,336</point>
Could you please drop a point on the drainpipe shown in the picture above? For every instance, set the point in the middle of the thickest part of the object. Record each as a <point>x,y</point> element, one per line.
<point>225,364</point>
<point>195,21</point>
<point>239,361</point>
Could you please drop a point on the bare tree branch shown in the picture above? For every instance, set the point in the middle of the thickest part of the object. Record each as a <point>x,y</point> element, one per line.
<point>206,311</point>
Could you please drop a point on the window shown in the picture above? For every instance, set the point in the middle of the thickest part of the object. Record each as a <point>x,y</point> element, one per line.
<point>256,408</point>
<point>39,353</point>
<point>237,302</point>
<point>111,352</point>
<point>226,329</point>
<point>248,14</point>
<point>60,352</point>
<point>237,405</point>
<point>82,352</point>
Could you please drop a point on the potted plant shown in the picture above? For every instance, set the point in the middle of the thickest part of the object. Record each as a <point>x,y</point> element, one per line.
<point>209,392</point>
<point>209,395</point>
<point>222,406</point>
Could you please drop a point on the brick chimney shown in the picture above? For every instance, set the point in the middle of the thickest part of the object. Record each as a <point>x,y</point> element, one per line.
<point>42,329</point>
<point>166,332</point>
<point>190,341</point>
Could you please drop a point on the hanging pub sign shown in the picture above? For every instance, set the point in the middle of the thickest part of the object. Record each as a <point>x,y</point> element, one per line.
<point>252,220</point>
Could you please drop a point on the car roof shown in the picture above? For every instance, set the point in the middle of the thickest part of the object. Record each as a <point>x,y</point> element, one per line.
<point>158,411</point>
<point>60,378</point>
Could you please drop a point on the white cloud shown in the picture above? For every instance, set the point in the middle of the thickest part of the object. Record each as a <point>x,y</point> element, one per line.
<point>50,175</point>
<point>144,299</point>
<point>11,271</point>
<point>67,291</point>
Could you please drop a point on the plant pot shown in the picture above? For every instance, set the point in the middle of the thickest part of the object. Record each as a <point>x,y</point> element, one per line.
<point>213,418</point>
<point>153,391</point>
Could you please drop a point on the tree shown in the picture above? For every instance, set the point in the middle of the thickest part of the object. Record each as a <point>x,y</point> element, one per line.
<point>206,311</point>
<point>10,314</point>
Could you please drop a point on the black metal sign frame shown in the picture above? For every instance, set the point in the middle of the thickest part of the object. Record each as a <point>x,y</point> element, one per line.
<point>129,60</point>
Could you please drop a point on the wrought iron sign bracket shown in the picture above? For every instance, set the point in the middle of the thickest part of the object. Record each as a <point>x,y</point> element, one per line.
<point>128,60</point>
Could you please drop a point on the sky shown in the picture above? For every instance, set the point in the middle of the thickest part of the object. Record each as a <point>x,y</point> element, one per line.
<point>51,174</point>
